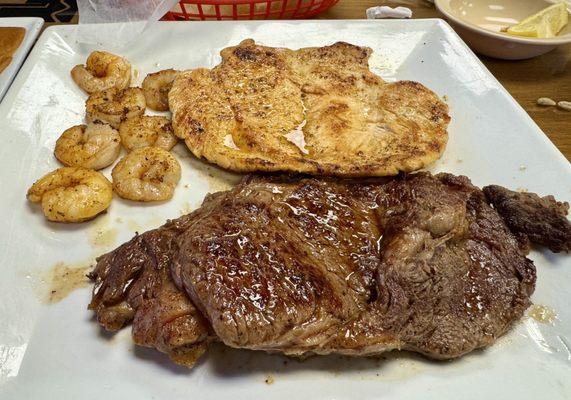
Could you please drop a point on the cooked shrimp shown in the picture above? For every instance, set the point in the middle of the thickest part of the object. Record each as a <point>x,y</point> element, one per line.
<point>146,174</point>
<point>146,131</point>
<point>102,71</point>
<point>94,146</point>
<point>72,194</point>
<point>156,87</point>
<point>115,106</point>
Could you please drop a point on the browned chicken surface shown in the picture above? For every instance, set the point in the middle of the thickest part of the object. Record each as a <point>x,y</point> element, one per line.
<point>313,110</point>
<point>316,266</point>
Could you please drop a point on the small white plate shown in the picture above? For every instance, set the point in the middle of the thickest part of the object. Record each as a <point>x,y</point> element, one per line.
<point>57,351</point>
<point>33,26</point>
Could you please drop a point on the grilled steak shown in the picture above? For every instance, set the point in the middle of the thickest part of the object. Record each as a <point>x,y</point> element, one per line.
<point>317,266</point>
<point>314,110</point>
<point>314,266</point>
<point>133,284</point>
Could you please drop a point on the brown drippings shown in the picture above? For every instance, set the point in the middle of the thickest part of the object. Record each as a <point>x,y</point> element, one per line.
<point>62,279</point>
<point>543,314</point>
<point>100,235</point>
<point>154,222</point>
<point>134,226</point>
<point>269,380</point>
<point>187,208</point>
<point>143,226</point>
<point>105,238</point>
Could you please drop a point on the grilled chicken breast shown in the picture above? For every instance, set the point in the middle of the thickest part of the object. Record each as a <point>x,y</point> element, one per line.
<point>313,110</point>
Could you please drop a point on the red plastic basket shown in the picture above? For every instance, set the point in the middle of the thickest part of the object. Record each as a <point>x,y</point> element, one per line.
<point>247,9</point>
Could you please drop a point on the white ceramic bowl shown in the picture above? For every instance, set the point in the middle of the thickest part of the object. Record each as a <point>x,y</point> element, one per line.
<point>479,23</point>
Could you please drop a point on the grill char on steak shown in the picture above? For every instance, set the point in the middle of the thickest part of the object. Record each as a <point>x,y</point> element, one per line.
<point>316,266</point>
<point>133,284</point>
<point>542,220</point>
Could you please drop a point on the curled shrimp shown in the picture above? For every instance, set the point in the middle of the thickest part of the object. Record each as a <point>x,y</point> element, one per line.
<point>94,146</point>
<point>156,87</point>
<point>114,106</point>
<point>146,174</point>
<point>147,131</point>
<point>102,71</point>
<point>72,194</point>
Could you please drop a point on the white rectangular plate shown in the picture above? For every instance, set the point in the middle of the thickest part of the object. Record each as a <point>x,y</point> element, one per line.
<point>33,26</point>
<point>58,350</point>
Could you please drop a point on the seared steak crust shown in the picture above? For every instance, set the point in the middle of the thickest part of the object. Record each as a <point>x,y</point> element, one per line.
<point>541,219</point>
<point>452,277</point>
<point>317,266</point>
<point>283,264</point>
<point>133,283</point>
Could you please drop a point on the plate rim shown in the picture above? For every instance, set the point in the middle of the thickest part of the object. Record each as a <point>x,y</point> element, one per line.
<point>449,33</point>
<point>33,27</point>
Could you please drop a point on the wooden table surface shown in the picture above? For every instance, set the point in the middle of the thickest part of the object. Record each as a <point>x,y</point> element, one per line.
<point>545,76</point>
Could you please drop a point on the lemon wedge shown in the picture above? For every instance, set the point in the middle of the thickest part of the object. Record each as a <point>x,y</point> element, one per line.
<point>545,24</point>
